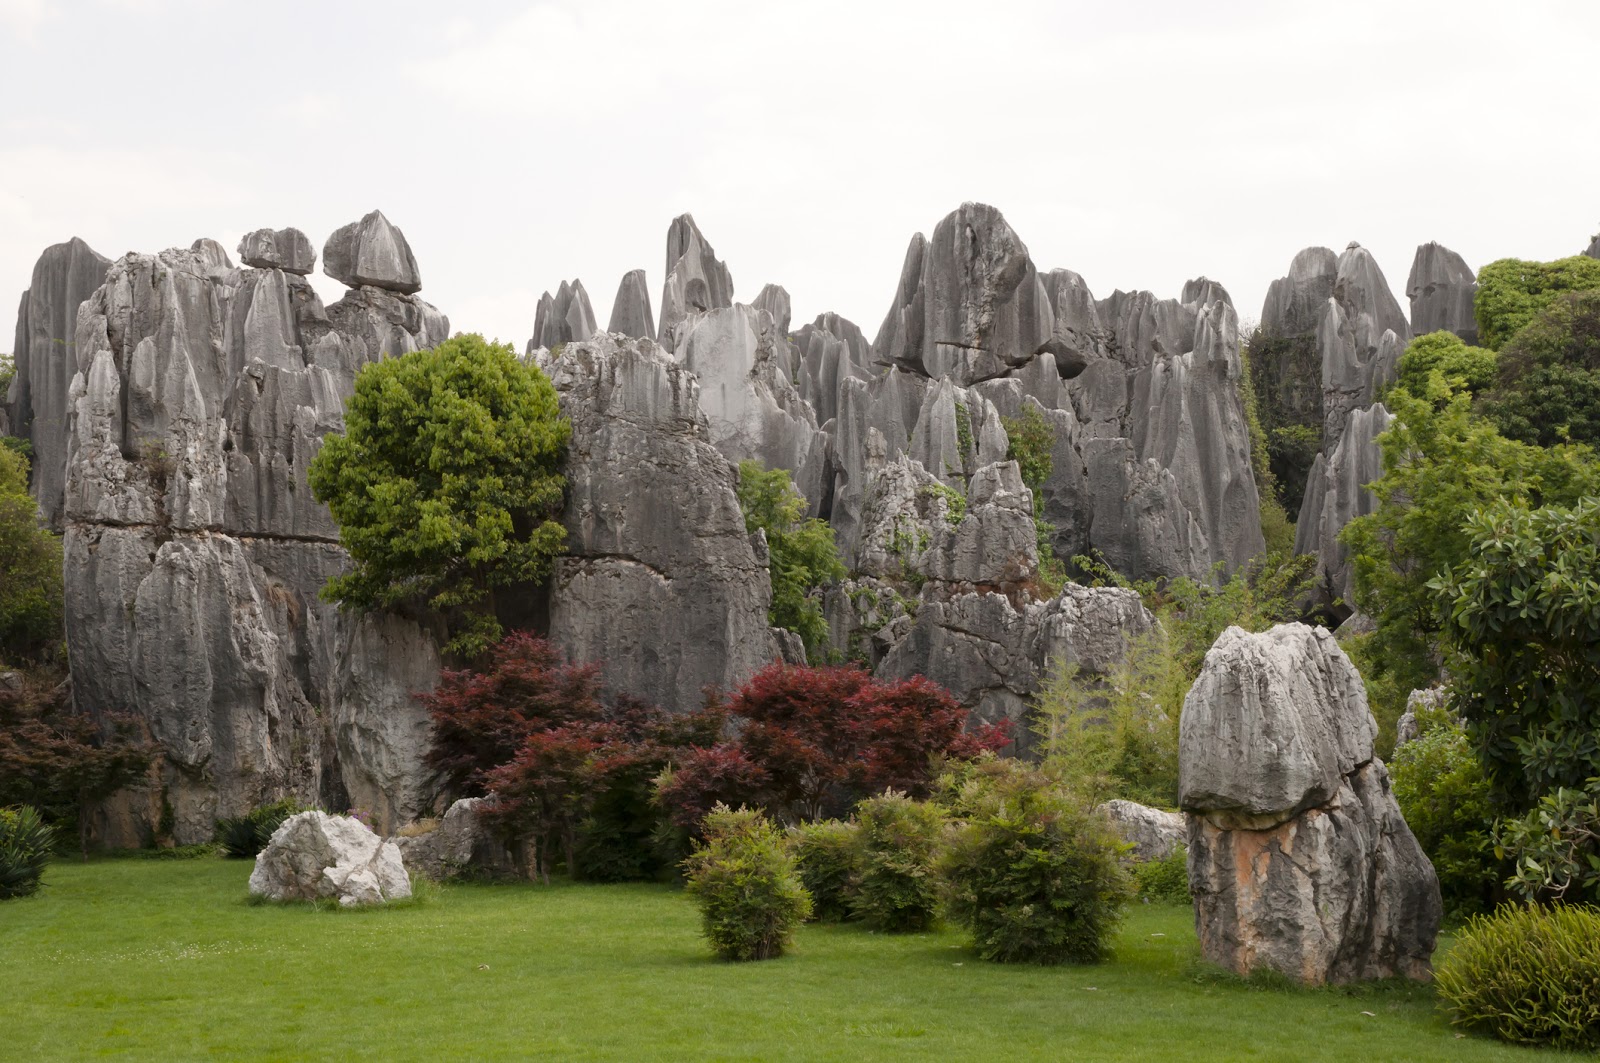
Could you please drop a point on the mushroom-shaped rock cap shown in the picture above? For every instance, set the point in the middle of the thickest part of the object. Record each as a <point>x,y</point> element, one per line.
<point>287,249</point>
<point>373,252</point>
<point>1272,726</point>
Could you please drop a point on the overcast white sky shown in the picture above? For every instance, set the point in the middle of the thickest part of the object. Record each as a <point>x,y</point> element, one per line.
<point>518,144</point>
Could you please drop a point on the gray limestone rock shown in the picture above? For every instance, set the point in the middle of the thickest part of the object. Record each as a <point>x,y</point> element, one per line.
<point>774,299</point>
<point>970,304</point>
<point>1295,303</point>
<point>197,553</point>
<point>1336,494</point>
<point>373,253</point>
<point>1593,250</point>
<point>696,280</point>
<point>1154,834</point>
<point>565,317</point>
<point>1299,858</point>
<point>287,249</point>
<point>831,351</point>
<point>313,855</point>
<point>457,846</point>
<point>46,358</point>
<point>630,312</point>
<point>1434,699</point>
<point>659,580</point>
<point>1441,288</point>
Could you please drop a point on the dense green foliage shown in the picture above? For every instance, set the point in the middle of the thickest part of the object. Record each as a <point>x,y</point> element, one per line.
<point>825,855</point>
<point>1441,465</point>
<point>446,483</point>
<point>25,844</point>
<point>1276,526</point>
<point>1511,291</point>
<point>30,570</point>
<point>896,884</point>
<point>1470,369</point>
<point>1035,875</point>
<point>1556,846</point>
<point>242,837</point>
<point>1283,396</point>
<point>802,552</point>
<point>1165,880</point>
<point>136,959</point>
<point>1524,625</point>
<point>1444,796</point>
<point>1547,389</point>
<point>744,879</point>
<point>1528,974</point>
<point>1031,444</point>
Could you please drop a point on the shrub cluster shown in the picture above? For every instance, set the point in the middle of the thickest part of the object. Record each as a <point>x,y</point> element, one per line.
<point>744,878</point>
<point>895,887</point>
<point>825,855</point>
<point>1034,873</point>
<point>242,837</point>
<point>1165,880</point>
<point>25,844</point>
<point>1528,974</point>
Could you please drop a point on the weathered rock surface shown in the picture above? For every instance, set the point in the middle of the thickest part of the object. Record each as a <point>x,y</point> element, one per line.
<point>315,855</point>
<point>372,252</point>
<point>1154,834</point>
<point>287,249</point>
<point>1441,288</point>
<point>565,317</point>
<point>1295,303</point>
<point>458,846</point>
<point>1299,858</point>
<point>1593,250</point>
<point>660,580</point>
<point>696,280</point>
<point>196,552</point>
<point>46,358</point>
<point>993,655</point>
<point>1336,494</point>
<point>1432,698</point>
<point>630,311</point>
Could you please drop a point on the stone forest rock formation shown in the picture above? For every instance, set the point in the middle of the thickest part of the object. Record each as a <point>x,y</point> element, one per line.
<point>193,393</point>
<point>315,855</point>
<point>1299,859</point>
<point>1441,288</point>
<point>195,552</point>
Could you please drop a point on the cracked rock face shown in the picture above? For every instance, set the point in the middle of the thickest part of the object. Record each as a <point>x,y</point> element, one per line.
<point>287,249</point>
<point>1299,858</point>
<point>313,855</point>
<point>1336,494</point>
<point>660,580</point>
<point>196,552</point>
<point>46,359</point>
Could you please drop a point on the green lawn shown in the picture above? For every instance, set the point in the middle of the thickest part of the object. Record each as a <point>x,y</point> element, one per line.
<point>166,960</point>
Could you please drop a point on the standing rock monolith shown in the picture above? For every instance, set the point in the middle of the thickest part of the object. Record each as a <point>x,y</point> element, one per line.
<point>1299,858</point>
<point>1441,288</point>
<point>630,312</point>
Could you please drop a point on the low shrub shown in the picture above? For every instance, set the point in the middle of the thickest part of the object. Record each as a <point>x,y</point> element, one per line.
<point>1036,875</point>
<point>25,844</point>
<point>745,882</point>
<point>1443,793</point>
<point>895,887</point>
<point>1527,974</point>
<point>242,837</point>
<point>825,855</point>
<point>1165,880</point>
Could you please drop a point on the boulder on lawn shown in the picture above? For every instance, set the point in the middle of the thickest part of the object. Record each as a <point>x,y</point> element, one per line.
<point>315,855</point>
<point>458,846</point>
<point>1154,834</point>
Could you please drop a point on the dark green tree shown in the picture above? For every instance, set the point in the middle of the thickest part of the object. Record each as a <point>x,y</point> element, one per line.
<point>446,484</point>
<point>1547,388</point>
<point>30,570</point>
<point>803,555</point>
<point>1511,291</point>
<point>1465,368</point>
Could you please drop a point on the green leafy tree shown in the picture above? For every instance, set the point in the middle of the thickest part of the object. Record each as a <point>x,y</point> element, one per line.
<point>1465,368</point>
<point>1547,388</point>
<point>1444,795</point>
<point>1032,446</point>
<point>1441,466</point>
<point>1511,291</point>
<point>30,570</point>
<point>446,483</point>
<point>802,553</point>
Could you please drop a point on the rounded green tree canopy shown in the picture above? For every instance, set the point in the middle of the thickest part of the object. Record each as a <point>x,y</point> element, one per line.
<point>446,483</point>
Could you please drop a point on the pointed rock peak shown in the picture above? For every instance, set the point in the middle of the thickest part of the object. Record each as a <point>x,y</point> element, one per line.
<point>630,311</point>
<point>774,299</point>
<point>565,318</point>
<point>1594,247</point>
<point>696,280</point>
<point>287,249</point>
<point>373,252</point>
<point>213,255</point>
<point>1353,246</point>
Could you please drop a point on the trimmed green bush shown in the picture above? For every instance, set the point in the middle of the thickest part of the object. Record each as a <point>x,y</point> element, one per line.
<point>1443,793</point>
<point>745,882</point>
<point>825,855</point>
<point>25,843</point>
<point>244,836</point>
<point>1165,880</point>
<point>1527,974</point>
<point>1037,876</point>
<point>896,883</point>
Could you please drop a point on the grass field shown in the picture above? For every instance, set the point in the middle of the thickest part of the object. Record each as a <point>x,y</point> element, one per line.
<point>166,960</point>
